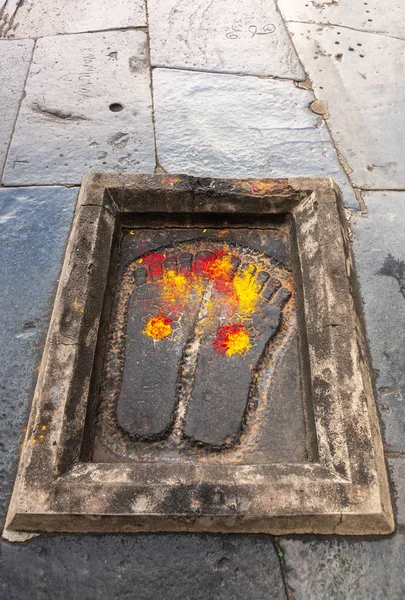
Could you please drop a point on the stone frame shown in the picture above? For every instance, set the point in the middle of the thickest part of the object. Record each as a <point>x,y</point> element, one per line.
<point>345,491</point>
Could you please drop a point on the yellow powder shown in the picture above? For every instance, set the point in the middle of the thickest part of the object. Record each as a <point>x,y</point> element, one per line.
<point>175,286</point>
<point>198,287</point>
<point>238,343</point>
<point>247,291</point>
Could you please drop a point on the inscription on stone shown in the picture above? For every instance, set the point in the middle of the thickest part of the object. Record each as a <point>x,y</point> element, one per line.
<point>237,30</point>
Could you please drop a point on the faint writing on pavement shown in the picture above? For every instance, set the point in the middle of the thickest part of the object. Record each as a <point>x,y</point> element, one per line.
<point>237,30</point>
<point>266,29</point>
<point>85,76</point>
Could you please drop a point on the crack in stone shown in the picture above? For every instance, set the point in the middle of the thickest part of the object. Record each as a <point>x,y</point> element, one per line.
<point>394,37</point>
<point>338,523</point>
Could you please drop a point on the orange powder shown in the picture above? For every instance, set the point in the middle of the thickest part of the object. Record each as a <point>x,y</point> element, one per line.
<point>219,268</point>
<point>232,339</point>
<point>158,327</point>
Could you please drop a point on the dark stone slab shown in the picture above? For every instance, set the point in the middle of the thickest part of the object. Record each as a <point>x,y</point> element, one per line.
<point>359,570</point>
<point>34,224</point>
<point>142,567</point>
<point>326,568</point>
<point>379,251</point>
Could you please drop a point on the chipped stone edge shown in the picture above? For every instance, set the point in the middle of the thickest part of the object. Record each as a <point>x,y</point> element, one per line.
<point>346,492</point>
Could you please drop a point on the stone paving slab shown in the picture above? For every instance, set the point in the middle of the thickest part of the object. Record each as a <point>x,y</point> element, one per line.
<point>34,223</point>
<point>71,120</point>
<point>360,76</point>
<point>325,568</point>
<point>30,18</point>
<point>216,125</point>
<point>14,63</point>
<point>34,226</point>
<point>246,37</point>
<point>161,567</point>
<point>378,236</point>
<point>369,16</point>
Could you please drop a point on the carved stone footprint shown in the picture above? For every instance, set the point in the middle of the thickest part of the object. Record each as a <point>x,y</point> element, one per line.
<point>230,352</point>
<point>160,318</point>
<point>190,327</point>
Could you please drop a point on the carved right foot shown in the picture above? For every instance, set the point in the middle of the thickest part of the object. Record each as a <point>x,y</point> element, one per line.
<point>232,346</point>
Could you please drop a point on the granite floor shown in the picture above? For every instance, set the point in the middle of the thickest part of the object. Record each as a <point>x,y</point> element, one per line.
<point>265,89</point>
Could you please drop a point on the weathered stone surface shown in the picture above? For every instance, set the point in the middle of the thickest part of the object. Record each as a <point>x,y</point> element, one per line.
<point>143,567</point>
<point>52,17</point>
<point>218,125</point>
<point>360,77</point>
<point>14,62</point>
<point>65,130</point>
<point>397,471</point>
<point>329,568</point>
<point>320,569</point>
<point>378,236</point>
<point>213,488</point>
<point>364,16</point>
<point>243,37</point>
<point>34,224</point>
<point>216,413</point>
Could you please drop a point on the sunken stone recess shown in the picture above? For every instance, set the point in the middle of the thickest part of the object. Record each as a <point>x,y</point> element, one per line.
<point>205,367</point>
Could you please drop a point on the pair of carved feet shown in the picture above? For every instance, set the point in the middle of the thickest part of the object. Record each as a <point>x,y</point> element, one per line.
<point>192,329</point>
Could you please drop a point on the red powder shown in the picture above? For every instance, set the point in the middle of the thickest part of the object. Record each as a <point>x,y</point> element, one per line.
<point>154,262</point>
<point>224,285</point>
<point>218,267</point>
<point>203,264</point>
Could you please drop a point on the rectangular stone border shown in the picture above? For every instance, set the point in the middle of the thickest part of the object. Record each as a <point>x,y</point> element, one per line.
<point>344,492</point>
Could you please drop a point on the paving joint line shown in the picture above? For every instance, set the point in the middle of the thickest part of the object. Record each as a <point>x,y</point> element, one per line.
<point>340,157</point>
<point>290,36</point>
<point>196,70</point>
<point>157,164</point>
<point>283,568</point>
<point>363,189</point>
<point>23,94</point>
<point>346,168</point>
<point>394,37</point>
<point>395,455</point>
<point>40,37</point>
<point>39,185</point>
